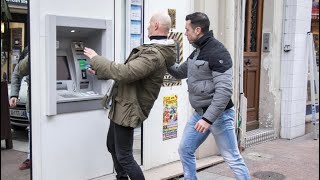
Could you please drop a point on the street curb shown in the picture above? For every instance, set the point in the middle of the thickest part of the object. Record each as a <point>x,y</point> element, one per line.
<point>174,169</point>
<point>171,170</point>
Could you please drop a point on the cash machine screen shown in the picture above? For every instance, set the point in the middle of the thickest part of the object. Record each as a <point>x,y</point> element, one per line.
<point>63,70</point>
<point>82,65</point>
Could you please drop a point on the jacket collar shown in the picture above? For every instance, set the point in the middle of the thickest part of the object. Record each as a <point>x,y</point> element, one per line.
<point>160,41</point>
<point>158,37</point>
<point>203,40</point>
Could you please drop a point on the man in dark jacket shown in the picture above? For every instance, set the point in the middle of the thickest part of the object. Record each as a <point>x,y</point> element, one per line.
<point>139,81</point>
<point>209,73</point>
<point>21,70</point>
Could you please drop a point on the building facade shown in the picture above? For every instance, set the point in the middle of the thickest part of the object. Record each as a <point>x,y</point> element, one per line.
<point>267,40</point>
<point>271,67</point>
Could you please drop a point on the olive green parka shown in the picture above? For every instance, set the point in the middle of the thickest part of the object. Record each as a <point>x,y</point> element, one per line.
<point>139,80</point>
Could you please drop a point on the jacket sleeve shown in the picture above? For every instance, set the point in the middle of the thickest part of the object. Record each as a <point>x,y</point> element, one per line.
<point>24,66</point>
<point>15,82</point>
<point>179,71</point>
<point>222,95</point>
<point>134,70</point>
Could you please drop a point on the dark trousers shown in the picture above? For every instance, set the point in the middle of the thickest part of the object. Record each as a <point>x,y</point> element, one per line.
<point>120,145</point>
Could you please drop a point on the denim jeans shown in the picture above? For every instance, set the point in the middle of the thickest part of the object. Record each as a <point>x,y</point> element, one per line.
<point>224,133</point>
<point>120,145</point>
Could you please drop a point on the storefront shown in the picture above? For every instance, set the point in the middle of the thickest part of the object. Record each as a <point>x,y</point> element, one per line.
<point>5,18</point>
<point>14,35</point>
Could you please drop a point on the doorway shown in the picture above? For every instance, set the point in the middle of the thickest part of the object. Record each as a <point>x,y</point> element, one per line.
<point>252,60</point>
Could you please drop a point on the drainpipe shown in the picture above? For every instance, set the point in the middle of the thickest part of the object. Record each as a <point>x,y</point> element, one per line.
<point>241,43</point>
<point>287,42</point>
<point>287,47</point>
<point>242,113</point>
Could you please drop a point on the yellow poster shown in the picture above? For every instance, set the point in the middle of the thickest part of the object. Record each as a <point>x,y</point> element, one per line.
<point>170,117</point>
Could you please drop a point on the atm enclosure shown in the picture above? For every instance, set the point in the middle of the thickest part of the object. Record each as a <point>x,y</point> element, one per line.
<point>71,87</point>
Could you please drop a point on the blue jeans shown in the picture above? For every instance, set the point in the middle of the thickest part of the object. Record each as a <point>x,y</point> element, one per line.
<point>224,133</point>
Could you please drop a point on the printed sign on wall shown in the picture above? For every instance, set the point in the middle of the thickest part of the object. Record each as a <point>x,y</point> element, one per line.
<point>170,117</point>
<point>134,24</point>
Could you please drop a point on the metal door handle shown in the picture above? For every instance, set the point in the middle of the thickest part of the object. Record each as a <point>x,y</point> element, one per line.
<point>247,62</point>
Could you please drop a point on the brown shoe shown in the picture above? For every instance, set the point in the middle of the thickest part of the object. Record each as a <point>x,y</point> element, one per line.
<point>25,164</point>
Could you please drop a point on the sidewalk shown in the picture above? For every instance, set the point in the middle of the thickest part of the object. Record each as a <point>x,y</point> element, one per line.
<point>296,159</point>
<point>279,159</point>
<point>10,158</point>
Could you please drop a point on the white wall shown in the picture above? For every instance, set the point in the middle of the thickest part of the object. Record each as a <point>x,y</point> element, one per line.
<point>270,94</point>
<point>119,31</point>
<point>294,68</point>
<point>157,152</point>
<point>67,146</point>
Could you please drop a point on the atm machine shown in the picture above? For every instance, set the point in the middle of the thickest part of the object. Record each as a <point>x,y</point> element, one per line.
<point>74,83</point>
<point>77,89</point>
<point>74,119</point>
<point>72,87</point>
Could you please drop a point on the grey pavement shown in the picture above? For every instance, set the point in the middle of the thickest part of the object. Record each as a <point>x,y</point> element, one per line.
<point>10,158</point>
<point>296,159</point>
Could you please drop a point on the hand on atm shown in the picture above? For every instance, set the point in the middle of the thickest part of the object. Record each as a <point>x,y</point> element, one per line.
<point>91,71</point>
<point>90,53</point>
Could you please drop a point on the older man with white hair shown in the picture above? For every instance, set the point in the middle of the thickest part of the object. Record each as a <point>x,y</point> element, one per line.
<point>138,82</point>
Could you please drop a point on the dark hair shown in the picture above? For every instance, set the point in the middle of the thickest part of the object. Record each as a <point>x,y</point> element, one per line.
<point>199,19</point>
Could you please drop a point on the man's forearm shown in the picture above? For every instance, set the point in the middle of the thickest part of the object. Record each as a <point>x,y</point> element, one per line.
<point>15,82</point>
<point>177,72</point>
